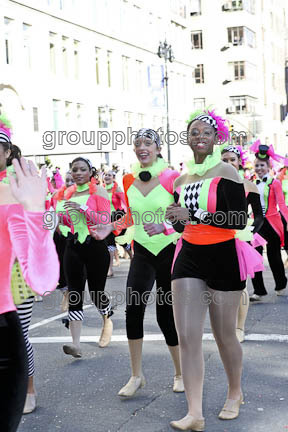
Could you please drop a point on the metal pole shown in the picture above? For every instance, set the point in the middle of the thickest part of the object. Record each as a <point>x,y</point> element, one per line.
<point>167,111</point>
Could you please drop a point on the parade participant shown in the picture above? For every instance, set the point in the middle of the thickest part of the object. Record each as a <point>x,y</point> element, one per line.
<point>23,238</point>
<point>283,177</point>
<point>24,307</point>
<point>149,189</point>
<point>235,156</point>
<point>118,206</point>
<point>78,206</point>
<point>207,271</point>
<point>272,230</point>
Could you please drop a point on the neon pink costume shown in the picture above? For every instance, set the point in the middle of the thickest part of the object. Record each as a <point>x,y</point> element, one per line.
<point>23,237</point>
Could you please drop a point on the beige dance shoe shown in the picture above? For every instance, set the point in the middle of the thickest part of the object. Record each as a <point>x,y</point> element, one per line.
<point>231,409</point>
<point>282,292</point>
<point>106,333</point>
<point>30,403</point>
<point>73,350</point>
<point>240,335</point>
<point>134,384</point>
<point>189,423</point>
<point>178,386</point>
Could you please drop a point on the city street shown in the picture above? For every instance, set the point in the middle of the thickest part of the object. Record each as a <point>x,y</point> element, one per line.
<point>80,395</point>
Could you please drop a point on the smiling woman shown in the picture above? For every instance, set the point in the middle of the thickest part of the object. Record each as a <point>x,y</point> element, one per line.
<point>210,187</point>
<point>84,198</point>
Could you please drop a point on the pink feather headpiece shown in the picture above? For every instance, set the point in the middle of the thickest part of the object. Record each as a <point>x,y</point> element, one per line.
<point>270,152</point>
<point>218,122</point>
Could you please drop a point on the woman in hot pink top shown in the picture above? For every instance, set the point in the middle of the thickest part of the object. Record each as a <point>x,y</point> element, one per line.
<point>22,237</point>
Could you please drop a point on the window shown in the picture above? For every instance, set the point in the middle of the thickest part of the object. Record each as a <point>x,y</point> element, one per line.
<point>27,43</point>
<point>68,115</point>
<point>196,39</point>
<point>241,36</point>
<point>140,120</point>
<point>127,118</point>
<point>35,120</point>
<point>195,7</point>
<point>235,5</point>
<point>52,52</point>
<point>56,111</point>
<point>65,56</point>
<point>178,7</point>
<point>111,117</point>
<point>76,59</point>
<point>239,72</point>
<point>7,38</point>
<point>242,70</point>
<point>103,116</point>
<point>97,67</point>
<point>243,104</point>
<point>273,81</point>
<point>109,67</point>
<point>199,74</point>
<point>79,114</point>
<point>139,76</point>
<point>199,103</point>
<point>235,35</point>
<point>125,77</point>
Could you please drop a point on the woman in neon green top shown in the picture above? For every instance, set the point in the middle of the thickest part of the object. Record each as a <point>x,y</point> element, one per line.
<point>79,206</point>
<point>148,191</point>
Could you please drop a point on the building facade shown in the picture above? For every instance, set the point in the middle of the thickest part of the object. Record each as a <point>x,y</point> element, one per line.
<point>73,65</point>
<point>74,72</point>
<point>240,52</point>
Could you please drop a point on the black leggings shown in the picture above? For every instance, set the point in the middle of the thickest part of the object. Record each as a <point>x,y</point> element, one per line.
<point>144,270</point>
<point>89,260</point>
<point>60,243</point>
<point>274,259</point>
<point>13,372</point>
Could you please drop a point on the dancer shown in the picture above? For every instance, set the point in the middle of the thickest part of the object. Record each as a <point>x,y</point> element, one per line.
<point>118,207</point>
<point>283,177</point>
<point>234,155</point>
<point>206,271</point>
<point>148,191</point>
<point>87,203</point>
<point>23,237</point>
<point>24,308</point>
<point>272,230</point>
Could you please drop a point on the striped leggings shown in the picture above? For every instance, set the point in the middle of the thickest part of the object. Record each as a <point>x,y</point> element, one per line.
<point>25,312</point>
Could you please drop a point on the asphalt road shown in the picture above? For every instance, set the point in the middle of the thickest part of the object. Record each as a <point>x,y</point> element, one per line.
<point>81,395</point>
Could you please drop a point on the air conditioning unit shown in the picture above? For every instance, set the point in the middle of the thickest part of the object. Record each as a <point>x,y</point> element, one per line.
<point>231,109</point>
<point>227,6</point>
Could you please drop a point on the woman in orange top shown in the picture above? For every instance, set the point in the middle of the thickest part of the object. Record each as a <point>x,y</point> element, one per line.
<point>206,272</point>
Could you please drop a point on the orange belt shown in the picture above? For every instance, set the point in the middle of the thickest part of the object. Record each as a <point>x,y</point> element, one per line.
<point>207,234</point>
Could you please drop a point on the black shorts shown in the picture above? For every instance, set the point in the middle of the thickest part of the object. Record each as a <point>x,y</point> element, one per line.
<point>216,264</point>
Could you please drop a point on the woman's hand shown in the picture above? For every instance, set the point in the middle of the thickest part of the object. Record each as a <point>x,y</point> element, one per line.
<point>153,229</point>
<point>29,189</point>
<point>175,212</point>
<point>101,231</point>
<point>71,205</point>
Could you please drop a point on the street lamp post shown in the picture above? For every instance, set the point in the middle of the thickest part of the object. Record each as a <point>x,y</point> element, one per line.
<point>165,51</point>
